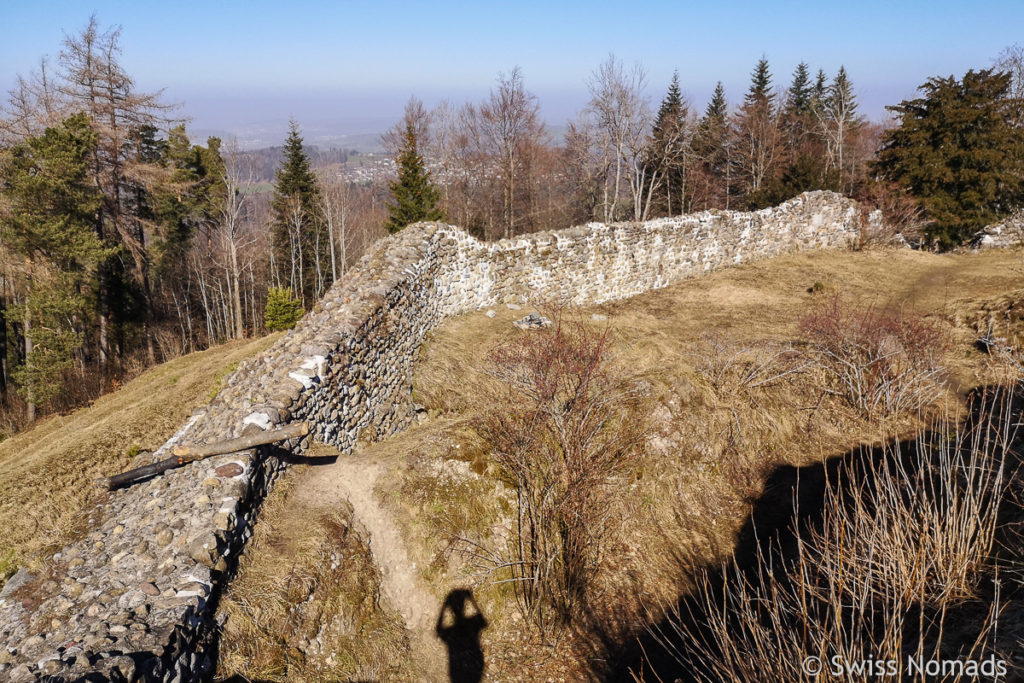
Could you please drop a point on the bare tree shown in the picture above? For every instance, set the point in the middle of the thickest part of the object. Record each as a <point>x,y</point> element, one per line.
<point>93,80</point>
<point>511,127</point>
<point>239,183</point>
<point>334,197</point>
<point>1011,59</point>
<point>34,104</point>
<point>441,146</point>
<point>586,166</point>
<point>415,115</point>
<point>622,116</point>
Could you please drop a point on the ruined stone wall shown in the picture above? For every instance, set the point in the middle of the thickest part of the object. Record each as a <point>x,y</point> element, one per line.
<point>135,598</point>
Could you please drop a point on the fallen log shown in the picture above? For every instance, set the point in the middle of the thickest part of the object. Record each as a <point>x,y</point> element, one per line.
<point>186,454</point>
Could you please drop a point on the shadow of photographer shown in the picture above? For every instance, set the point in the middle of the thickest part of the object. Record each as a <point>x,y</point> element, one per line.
<point>458,626</point>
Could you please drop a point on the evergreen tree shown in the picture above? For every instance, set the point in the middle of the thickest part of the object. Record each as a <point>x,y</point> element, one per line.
<point>760,147</point>
<point>713,149</point>
<point>841,102</point>
<point>819,93</point>
<point>804,167</point>
<point>301,250</point>
<point>187,199</point>
<point>671,112</point>
<point>283,309</point>
<point>416,198</point>
<point>958,150</point>
<point>800,93</point>
<point>665,157</point>
<point>48,224</point>
<point>760,85</point>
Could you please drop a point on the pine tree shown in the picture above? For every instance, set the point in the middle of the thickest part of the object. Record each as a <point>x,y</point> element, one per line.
<point>416,198</point>
<point>283,309</point>
<point>713,147</point>
<point>665,157</point>
<point>301,251</point>
<point>958,150</point>
<point>48,224</point>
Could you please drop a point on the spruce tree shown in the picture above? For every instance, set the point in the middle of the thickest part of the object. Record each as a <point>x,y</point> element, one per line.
<point>283,309</point>
<point>49,226</point>
<point>760,84</point>
<point>805,164</point>
<point>301,249</point>
<point>840,98</point>
<point>800,93</point>
<point>760,146</point>
<point>958,150</point>
<point>416,198</point>
<point>712,147</point>
<point>819,93</point>
<point>665,155</point>
<point>671,111</point>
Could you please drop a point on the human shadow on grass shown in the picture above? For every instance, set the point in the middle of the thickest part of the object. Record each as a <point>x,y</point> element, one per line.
<point>459,624</point>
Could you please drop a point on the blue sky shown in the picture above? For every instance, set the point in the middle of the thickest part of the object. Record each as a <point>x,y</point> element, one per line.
<point>352,64</point>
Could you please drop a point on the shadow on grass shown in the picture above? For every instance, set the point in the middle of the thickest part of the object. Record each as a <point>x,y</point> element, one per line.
<point>766,550</point>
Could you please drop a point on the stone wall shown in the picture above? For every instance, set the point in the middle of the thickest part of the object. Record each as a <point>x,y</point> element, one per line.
<point>135,597</point>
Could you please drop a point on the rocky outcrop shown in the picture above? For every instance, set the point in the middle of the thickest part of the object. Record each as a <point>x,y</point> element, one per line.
<point>1009,233</point>
<point>135,597</point>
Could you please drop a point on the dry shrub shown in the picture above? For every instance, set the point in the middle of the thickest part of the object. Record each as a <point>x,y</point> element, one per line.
<point>883,362</point>
<point>563,426</point>
<point>731,368</point>
<point>902,214</point>
<point>902,553</point>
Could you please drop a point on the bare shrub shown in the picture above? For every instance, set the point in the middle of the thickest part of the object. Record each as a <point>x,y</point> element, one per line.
<point>731,368</point>
<point>901,215</point>
<point>882,362</point>
<point>565,423</point>
<point>924,523</point>
<point>888,572</point>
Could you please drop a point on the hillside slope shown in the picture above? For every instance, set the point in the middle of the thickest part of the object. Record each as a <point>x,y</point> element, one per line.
<point>685,502</point>
<point>47,472</point>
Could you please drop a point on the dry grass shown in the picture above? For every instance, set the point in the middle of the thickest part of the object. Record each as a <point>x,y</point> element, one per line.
<point>898,565</point>
<point>304,606</point>
<point>732,398</point>
<point>46,472</point>
<point>751,303</point>
<point>720,354</point>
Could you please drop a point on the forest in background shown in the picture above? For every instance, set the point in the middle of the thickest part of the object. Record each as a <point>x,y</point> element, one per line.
<point>124,243</point>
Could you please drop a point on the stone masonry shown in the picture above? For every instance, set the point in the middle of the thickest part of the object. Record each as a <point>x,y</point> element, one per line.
<point>134,598</point>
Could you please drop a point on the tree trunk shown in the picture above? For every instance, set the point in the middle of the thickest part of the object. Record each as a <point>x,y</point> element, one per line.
<point>30,407</point>
<point>236,292</point>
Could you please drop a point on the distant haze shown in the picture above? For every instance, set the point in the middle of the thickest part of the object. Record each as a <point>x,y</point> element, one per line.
<point>355,119</point>
<point>344,70</point>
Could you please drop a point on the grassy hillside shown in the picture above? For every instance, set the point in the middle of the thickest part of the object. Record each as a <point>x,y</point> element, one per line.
<point>715,438</point>
<point>47,472</point>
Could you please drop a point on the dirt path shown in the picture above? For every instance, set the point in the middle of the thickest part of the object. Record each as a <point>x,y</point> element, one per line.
<point>354,477</point>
